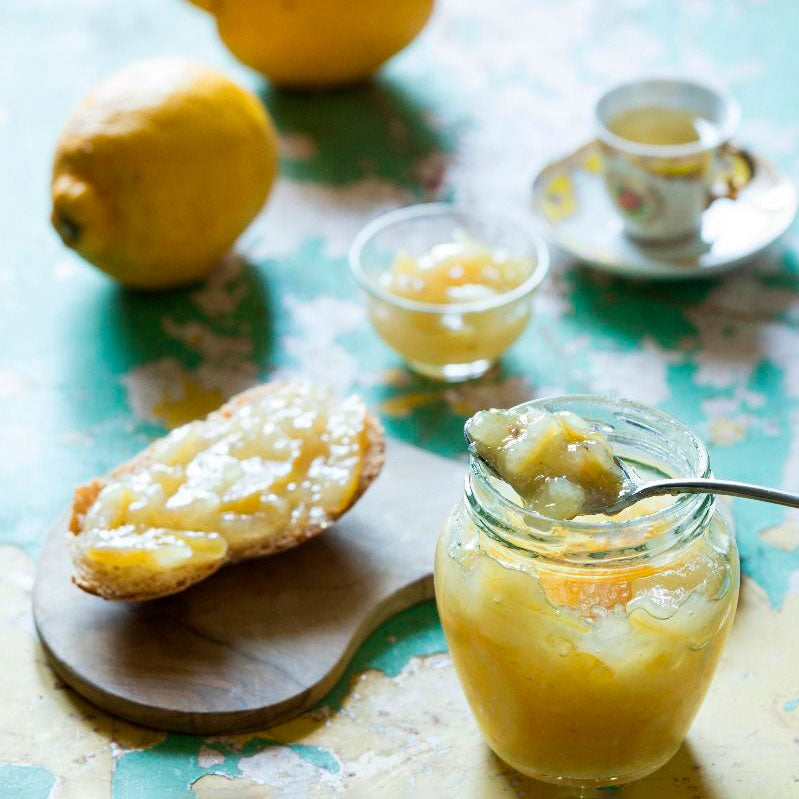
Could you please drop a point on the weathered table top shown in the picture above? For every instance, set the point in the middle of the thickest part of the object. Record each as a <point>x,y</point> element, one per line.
<point>89,373</point>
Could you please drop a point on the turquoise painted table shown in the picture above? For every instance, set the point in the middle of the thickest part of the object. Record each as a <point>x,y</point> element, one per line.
<point>89,373</point>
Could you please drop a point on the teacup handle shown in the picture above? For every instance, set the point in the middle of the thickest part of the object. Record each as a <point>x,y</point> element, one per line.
<point>735,169</point>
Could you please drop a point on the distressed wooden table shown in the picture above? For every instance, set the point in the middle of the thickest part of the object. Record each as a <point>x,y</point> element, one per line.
<point>89,373</point>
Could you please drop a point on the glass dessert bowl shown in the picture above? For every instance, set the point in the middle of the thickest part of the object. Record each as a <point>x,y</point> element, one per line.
<point>585,646</point>
<point>447,288</point>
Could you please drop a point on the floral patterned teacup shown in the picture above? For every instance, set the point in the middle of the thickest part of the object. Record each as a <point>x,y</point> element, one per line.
<point>661,190</point>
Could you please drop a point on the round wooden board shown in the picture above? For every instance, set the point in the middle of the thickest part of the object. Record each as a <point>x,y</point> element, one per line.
<point>261,641</point>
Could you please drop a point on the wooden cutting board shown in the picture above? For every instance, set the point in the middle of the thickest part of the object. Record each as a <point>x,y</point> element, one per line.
<point>261,641</point>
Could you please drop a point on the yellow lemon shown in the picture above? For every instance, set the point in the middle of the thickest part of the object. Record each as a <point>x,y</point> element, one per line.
<point>159,170</point>
<point>317,43</point>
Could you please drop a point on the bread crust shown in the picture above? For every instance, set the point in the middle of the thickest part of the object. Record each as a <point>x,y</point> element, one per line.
<point>105,582</point>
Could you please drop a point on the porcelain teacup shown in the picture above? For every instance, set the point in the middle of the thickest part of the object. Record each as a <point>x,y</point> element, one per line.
<point>662,189</point>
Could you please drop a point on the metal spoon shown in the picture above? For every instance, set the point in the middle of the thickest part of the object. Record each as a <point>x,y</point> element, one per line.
<point>635,489</point>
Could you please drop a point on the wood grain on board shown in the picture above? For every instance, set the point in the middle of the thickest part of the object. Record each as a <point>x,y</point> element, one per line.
<point>260,641</point>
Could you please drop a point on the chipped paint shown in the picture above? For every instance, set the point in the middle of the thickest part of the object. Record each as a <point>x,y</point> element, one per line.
<point>313,344</point>
<point>222,292</point>
<point>640,374</point>
<point>166,392</point>
<point>208,758</point>
<point>783,536</point>
<point>202,339</point>
<point>727,432</point>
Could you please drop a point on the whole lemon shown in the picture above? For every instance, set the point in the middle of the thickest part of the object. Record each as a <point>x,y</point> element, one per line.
<point>312,44</point>
<point>159,170</point>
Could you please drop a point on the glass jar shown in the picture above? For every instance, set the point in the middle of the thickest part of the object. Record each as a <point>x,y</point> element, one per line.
<point>585,647</point>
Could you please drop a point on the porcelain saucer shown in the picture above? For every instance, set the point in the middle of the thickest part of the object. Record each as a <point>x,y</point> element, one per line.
<point>570,196</point>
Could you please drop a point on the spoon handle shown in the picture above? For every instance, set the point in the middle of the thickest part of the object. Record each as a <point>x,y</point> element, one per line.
<point>698,485</point>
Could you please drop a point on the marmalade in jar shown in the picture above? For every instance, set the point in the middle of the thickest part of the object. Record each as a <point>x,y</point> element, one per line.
<point>585,646</point>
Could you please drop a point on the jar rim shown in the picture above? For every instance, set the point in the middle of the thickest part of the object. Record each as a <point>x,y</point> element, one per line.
<point>683,506</point>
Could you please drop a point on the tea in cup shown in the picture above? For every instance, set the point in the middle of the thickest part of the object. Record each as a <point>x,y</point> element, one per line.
<point>666,151</point>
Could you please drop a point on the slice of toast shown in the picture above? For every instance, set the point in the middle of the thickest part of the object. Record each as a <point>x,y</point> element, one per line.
<point>116,561</point>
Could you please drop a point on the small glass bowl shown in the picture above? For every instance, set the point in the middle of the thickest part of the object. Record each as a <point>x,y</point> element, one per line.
<point>446,341</point>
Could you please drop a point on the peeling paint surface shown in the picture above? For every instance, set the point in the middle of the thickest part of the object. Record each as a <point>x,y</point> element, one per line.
<point>89,374</point>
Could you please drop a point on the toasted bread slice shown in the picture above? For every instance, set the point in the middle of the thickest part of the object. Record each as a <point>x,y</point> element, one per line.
<point>273,467</point>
